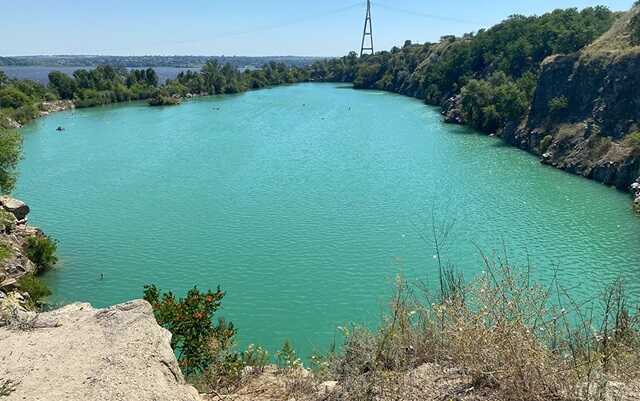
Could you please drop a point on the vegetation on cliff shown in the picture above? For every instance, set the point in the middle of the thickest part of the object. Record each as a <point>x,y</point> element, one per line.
<point>560,84</point>
<point>41,250</point>
<point>10,153</point>
<point>493,70</point>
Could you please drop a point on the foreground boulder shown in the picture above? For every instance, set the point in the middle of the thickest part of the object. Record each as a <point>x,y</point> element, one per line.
<point>14,206</point>
<point>80,353</point>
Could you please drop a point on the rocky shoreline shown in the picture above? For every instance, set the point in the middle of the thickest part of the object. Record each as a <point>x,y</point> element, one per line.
<point>14,231</point>
<point>588,137</point>
<point>14,262</point>
<point>635,190</point>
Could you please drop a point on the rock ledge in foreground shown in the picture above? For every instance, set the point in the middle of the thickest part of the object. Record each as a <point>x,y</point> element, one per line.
<point>81,353</point>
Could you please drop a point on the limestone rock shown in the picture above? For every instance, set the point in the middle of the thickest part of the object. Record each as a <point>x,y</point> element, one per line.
<point>452,110</point>
<point>17,207</point>
<point>47,108</point>
<point>80,353</point>
<point>635,191</point>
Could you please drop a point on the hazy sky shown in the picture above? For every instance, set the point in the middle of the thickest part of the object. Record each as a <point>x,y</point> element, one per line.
<point>245,27</point>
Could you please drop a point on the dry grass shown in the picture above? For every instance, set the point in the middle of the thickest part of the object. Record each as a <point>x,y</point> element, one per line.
<point>499,337</point>
<point>270,384</point>
<point>618,40</point>
<point>508,339</point>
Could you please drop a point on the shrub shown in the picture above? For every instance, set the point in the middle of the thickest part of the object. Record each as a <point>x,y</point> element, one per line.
<point>513,340</point>
<point>489,104</point>
<point>13,98</point>
<point>5,252</point>
<point>7,221</point>
<point>545,143</point>
<point>36,289</point>
<point>41,250</point>
<point>558,104</point>
<point>632,140</point>
<point>26,113</point>
<point>10,153</point>
<point>199,343</point>
<point>287,358</point>
<point>255,357</point>
<point>634,26</point>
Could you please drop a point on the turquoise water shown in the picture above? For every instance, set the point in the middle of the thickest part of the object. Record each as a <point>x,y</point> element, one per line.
<point>303,203</point>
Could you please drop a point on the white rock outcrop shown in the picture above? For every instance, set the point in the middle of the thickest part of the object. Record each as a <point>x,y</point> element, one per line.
<point>81,353</point>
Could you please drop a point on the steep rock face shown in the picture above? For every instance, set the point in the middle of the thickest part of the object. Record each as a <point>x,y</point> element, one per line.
<point>584,107</point>
<point>601,89</point>
<point>80,353</point>
<point>635,190</point>
<point>14,232</point>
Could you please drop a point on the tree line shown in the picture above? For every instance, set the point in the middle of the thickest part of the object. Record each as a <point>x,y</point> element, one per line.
<point>494,70</point>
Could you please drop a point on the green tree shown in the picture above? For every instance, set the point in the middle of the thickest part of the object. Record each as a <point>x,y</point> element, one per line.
<point>198,342</point>
<point>13,98</point>
<point>41,250</point>
<point>62,84</point>
<point>151,78</point>
<point>10,153</point>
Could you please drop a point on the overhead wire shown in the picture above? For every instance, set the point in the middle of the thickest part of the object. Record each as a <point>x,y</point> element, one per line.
<point>425,15</point>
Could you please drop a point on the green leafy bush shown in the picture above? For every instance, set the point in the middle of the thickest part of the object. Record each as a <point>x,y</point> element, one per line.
<point>255,357</point>
<point>62,84</point>
<point>26,113</point>
<point>10,153</point>
<point>199,343</point>
<point>36,289</point>
<point>41,250</point>
<point>545,143</point>
<point>489,104</point>
<point>635,28</point>
<point>558,105</point>
<point>287,357</point>
<point>5,252</point>
<point>13,98</point>
<point>632,140</point>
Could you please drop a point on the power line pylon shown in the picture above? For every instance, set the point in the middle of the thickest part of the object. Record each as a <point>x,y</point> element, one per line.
<point>368,31</point>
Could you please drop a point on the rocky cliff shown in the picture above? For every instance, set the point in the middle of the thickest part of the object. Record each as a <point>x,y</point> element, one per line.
<point>585,113</point>
<point>80,353</point>
<point>14,231</point>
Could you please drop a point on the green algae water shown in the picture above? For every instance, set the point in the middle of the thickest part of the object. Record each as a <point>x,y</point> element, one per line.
<point>303,203</point>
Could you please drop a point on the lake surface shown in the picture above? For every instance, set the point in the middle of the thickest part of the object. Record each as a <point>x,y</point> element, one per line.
<point>303,203</point>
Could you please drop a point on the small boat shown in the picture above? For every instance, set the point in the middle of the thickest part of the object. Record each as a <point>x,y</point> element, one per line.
<point>59,129</point>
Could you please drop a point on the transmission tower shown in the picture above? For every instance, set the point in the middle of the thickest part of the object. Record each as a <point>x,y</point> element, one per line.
<point>368,31</point>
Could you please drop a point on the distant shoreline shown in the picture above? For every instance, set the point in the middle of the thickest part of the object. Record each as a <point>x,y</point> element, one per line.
<point>81,61</point>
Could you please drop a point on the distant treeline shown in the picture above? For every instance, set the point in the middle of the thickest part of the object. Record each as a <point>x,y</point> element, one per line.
<point>20,100</point>
<point>155,61</point>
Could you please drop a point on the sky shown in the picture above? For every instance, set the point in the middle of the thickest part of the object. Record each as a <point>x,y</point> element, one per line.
<point>246,27</point>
